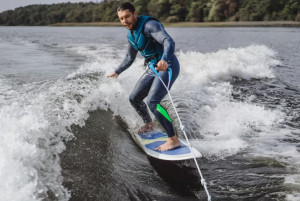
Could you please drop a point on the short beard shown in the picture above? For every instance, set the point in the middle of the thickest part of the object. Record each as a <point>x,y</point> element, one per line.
<point>134,25</point>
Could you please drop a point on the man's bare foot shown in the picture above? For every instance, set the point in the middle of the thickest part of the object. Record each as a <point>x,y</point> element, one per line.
<point>172,143</point>
<point>146,128</point>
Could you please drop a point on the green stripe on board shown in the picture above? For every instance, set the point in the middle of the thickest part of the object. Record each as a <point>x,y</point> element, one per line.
<point>163,112</point>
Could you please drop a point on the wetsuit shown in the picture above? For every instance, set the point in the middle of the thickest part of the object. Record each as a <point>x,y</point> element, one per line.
<point>157,45</point>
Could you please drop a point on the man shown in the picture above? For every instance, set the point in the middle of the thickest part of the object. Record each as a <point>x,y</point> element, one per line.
<point>148,36</point>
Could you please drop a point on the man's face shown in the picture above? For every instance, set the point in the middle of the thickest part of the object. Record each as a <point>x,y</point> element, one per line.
<point>127,18</point>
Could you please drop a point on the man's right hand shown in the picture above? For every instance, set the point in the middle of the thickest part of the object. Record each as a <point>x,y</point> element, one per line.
<point>113,74</point>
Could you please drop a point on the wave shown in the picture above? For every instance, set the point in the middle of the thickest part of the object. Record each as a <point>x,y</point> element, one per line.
<point>36,117</point>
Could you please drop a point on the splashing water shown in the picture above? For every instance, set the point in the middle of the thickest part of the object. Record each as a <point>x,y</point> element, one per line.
<point>36,117</point>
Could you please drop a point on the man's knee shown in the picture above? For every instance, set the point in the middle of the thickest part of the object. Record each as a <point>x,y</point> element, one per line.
<point>133,98</point>
<point>152,105</point>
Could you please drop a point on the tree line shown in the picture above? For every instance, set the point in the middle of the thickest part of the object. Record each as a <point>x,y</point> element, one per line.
<point>164,10</point>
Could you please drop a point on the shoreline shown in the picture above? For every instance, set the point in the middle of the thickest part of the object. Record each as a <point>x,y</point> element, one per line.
<point>191,24</point>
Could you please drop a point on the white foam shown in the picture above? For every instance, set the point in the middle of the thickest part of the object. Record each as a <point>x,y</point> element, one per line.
<point>203,87</point>
<point>15,151</point>
<point>222,121</point>
<point>254,61</point>
<point>226,126</point>
<point>34,117</point>
<point>293,197</point>
<point>29,166</point>
<point>219,125</point>
<point>292,183</point>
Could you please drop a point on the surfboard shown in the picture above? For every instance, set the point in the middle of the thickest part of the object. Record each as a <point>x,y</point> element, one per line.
<point>149,141</point>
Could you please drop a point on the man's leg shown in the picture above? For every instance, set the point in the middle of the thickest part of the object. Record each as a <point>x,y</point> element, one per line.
<point>137,96</point>
<point>156,94</point>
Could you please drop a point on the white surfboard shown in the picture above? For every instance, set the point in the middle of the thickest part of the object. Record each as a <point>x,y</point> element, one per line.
<point>151,140</point>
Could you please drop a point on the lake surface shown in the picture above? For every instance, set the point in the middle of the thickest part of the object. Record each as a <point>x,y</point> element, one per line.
<point>64,124</point>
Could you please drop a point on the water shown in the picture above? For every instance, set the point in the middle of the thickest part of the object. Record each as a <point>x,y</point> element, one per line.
<point>64,124</point>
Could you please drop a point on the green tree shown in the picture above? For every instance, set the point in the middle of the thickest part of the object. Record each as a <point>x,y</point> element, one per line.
<point>164,10</point>
<point>290,10</point>
<point>196,12</point>
<point>216,12</point>
<point>159,9</point>
<point>141,7</point>
<point>178,10</point>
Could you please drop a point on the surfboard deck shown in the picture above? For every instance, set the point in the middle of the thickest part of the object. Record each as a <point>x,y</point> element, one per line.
<point>149,141</point>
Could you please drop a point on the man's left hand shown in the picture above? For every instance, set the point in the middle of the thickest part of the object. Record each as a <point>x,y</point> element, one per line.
<point>162,65</point>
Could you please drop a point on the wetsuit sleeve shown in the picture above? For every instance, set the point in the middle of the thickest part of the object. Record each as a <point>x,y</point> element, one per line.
<point>128,60</point>
<point>156,30</point>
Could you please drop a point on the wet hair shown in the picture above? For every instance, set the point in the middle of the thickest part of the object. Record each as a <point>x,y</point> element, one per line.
<point>125,6</point>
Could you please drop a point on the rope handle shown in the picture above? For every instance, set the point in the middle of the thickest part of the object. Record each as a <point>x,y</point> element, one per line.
<point>151,66</point>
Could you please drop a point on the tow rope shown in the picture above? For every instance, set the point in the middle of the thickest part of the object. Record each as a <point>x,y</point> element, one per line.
<point>182,128</point>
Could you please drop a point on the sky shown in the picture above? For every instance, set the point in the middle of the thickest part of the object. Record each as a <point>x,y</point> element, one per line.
<point>12,4</point>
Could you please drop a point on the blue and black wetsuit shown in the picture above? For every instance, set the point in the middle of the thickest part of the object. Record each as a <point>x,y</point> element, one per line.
<point>154,43</point>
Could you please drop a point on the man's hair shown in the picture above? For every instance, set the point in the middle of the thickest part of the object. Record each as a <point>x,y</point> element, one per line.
<point>125,6</point>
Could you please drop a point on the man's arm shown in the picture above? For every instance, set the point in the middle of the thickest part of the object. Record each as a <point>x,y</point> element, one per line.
<point>128,60</point>
<point>156,30</point>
